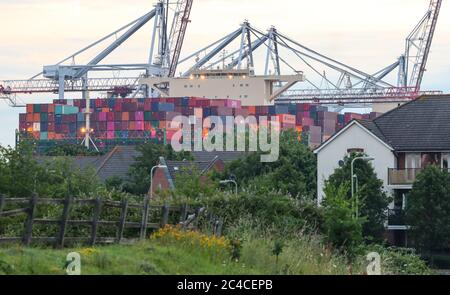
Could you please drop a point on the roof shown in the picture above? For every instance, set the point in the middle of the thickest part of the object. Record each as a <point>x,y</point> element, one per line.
<point>81,162</point>
<point>418,126</point>
<point>224,156</point>
<point>117,163</point>
<point>421,125</point>
<point>366,125</point>
<point>175,167</point>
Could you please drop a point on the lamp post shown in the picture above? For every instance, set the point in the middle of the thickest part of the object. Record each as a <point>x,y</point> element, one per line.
<point>147,202</point>
<point>353,180</point>
<point>231,181</point>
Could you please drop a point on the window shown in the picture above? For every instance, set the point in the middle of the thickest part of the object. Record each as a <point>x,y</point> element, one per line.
<point>413,161</point>
<point>355,151</point>
<point>446,161</point>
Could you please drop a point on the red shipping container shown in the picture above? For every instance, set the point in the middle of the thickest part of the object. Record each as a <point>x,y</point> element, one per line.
<point>125,116</point>
<point>30,108</point>
<point>147,106</point>
<point>30,118</point>
<point>118,107</point>
<point>36,117</point>
<point>110,117</point>
<point>287,119</point>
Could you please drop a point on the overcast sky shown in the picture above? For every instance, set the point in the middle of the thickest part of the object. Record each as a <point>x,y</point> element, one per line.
<point>367,34</point>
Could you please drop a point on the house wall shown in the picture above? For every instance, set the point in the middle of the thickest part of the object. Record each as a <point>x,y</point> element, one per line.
<point>355,137</point>
<point>160,181</point>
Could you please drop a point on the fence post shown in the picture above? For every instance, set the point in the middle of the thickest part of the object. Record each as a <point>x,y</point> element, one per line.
<point>95,219</point>
<point>29,222</point>
<point>122,221</point>
<point>145,218</point>
<point>219,228</point>
<point>165,215</point>
<point>184,212</point>
<point>64,219</point>
<point>2,203</point>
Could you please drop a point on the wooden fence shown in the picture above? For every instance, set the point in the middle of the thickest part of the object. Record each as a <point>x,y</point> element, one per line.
<point>187,218</point>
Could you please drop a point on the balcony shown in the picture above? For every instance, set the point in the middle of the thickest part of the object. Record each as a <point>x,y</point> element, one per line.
<point>403,176</point>
<point>396,217</point>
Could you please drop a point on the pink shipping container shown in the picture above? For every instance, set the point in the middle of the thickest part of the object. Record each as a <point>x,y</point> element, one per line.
<point>111,126</point>
<point>139,116</point>
<point>111,135</point>
<point>102,117</point>
<point>233,103</point>
<point>140,125</point>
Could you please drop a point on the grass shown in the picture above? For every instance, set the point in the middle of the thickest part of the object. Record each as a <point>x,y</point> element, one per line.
<point>174,252</point>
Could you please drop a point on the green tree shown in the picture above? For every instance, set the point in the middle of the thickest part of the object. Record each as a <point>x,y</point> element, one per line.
<point>190,184</point>
<point>294,173</point>
<point>372,199</point>
<point>342,229</point>
<point>428,210</point>
<point>19,172</point>
<point>139,182</point>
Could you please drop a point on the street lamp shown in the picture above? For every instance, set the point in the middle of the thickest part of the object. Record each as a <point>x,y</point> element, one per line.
<point>353,180</point>
<point>230,181</point>
<point>147,202</point>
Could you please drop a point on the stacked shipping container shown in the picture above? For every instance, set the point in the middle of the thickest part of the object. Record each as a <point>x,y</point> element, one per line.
<point>117,121</point>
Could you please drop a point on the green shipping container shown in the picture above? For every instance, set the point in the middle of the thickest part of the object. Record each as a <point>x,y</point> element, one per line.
<point>147,116</point>
<point>44,117</point>
<point>59,109</point>
<point>155,124</point>
<point>44,135</point>
<point>37,108</point>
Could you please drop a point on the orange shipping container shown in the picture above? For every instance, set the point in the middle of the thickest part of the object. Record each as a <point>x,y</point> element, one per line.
<point>125,116</point>
<point>51,135</point>
<point>287,119</point>
<point>162,124</point>
<point>36,117</point>
<point>51,108</point>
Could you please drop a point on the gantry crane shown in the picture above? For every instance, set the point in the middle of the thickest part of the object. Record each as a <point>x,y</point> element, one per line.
<point>163,58</point>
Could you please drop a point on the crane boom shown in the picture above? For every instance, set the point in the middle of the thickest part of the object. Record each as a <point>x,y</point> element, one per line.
<point>421,38</point>
<point>178,32</point>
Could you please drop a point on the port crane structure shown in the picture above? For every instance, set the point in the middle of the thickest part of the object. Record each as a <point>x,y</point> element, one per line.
<point>340,84</point>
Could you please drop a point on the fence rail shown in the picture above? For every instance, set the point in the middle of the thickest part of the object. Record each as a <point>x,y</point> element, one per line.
<point>187,217</point>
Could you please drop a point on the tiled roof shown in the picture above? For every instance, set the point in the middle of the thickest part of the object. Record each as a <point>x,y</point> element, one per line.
<point>224,156</point>
<point>421,125</point>
<point>117,163</point>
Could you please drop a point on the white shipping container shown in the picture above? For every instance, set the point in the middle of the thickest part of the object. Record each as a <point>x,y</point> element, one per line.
<point>37,127</point>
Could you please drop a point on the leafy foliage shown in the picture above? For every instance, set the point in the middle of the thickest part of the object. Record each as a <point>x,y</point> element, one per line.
<point>372,199</point>
<point>70,150</point>
<point>149,156</point>
<point>342,229</point>
<point>428,209</point>
<point>191,185</point>
<point>294,173</point>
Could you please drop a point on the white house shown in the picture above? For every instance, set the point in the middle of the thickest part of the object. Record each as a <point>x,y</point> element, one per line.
<point>402,142</point>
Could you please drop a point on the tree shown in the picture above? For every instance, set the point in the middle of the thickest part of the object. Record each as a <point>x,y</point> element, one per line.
<point>139,182</point>
<point>428,209</point>
<point>294,173</point>
<point>192,185</point>
<point>342,229</point>
<point>373,200</point>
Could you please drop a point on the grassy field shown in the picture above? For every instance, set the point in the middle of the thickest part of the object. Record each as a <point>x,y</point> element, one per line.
<point>177,253</point>
<point>171,251</point>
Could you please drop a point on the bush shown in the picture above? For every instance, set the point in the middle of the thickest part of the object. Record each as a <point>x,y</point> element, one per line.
<point>286,214</point>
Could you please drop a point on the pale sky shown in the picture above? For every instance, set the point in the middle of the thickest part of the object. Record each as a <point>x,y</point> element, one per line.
<point>367,34</point>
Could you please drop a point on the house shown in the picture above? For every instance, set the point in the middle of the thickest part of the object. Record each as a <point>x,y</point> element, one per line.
<point>402,142</point>
<point>205,162</point>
